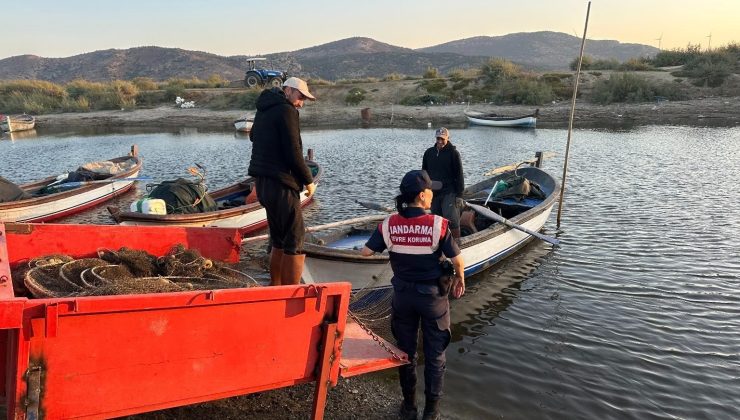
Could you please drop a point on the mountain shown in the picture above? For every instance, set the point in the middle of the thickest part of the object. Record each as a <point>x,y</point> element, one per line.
<point>347,58</point>
<point>155,62</point>
<point>541,50</point>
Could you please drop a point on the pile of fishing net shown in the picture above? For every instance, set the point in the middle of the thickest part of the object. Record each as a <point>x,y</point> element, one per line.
<point>128,271</point>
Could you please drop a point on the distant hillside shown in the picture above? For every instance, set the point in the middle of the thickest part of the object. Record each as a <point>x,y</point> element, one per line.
<point>543,50</point>
<point>347,58</point>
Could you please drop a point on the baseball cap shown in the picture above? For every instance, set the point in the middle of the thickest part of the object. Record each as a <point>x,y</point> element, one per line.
<point>417,181</point>
<point>442,132</point>
<point>299,84</point>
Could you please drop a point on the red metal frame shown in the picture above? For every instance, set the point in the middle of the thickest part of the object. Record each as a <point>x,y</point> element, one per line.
<point>107,356</point>
<point>110,356</point>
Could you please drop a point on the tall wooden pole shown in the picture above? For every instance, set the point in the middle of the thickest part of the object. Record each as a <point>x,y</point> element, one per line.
<point>572,113</point>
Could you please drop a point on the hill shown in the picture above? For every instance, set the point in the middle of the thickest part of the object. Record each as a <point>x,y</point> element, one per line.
<point>348,58</point>
<point>541,50</point>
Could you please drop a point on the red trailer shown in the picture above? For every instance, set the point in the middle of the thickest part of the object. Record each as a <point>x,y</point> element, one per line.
<point>109,356</point>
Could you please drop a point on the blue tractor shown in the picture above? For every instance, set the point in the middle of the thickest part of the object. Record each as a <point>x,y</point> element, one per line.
<point>258,76</point>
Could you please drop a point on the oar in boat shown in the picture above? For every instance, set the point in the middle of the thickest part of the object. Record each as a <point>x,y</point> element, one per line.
<point>98,181</point>
<point>486,212</point>
<point>320,227</point>
<point>374,206</point>
<point>483,211</point>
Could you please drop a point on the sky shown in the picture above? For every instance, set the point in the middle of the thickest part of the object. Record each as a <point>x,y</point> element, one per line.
<point>246,27</point>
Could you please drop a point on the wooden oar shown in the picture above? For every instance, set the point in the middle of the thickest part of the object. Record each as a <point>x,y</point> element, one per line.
<point>374,206</point>
<point>98,181</point>
<point>321,227</point>
<point>486,212</point>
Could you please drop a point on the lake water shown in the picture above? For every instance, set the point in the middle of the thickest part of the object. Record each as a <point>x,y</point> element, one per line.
<point>636,315</point>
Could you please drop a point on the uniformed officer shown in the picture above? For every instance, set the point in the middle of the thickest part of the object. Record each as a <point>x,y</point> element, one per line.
<point>416,242</point>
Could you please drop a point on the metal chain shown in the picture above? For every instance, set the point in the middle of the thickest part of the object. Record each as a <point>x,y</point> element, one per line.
<point>381,342</point>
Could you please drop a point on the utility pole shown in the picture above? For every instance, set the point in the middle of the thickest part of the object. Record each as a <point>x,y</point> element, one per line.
<point>709,46</point>
<point>659,40</point>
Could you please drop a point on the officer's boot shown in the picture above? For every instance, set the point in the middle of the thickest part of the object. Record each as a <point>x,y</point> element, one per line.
<point>292,268</point>
<point>431,410</point>
<point>408,406</point>
<point>276,262</point>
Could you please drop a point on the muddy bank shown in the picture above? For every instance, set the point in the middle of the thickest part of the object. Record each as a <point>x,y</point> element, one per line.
<point>715,111</point>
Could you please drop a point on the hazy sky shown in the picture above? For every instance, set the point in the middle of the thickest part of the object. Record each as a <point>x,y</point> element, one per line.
<point>231,27</point>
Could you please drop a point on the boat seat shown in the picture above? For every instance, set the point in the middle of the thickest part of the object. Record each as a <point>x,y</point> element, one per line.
<point>251,197</point>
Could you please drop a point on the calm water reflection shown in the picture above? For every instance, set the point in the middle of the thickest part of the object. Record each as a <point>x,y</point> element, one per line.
<point>635,316</point>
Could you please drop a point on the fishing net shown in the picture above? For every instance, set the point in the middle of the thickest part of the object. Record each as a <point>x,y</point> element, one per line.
<point>371,306</point>
<point>128,271</point>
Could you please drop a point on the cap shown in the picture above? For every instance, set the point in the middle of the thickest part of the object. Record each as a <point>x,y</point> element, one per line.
<point>442,132</point>
<point>299,84</point>
<point>417,181</point>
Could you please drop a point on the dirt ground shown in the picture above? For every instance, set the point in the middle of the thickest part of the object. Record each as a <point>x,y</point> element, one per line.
<point>711,111</point>
<point>710,107</point>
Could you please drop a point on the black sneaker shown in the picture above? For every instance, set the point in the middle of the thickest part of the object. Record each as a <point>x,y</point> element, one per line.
<point>431,411</point>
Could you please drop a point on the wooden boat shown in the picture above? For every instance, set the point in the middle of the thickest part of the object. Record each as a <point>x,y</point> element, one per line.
<point>17,123</point>
<point>244,125</point>
<point>494,120</point>
<point>237,208</point>
<point>332,255</point>
<point>44,207</point>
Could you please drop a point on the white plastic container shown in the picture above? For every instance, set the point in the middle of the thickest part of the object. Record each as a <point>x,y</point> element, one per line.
<point>149,206</point>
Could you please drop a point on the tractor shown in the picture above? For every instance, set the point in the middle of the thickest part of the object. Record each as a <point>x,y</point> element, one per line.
<point>257,76</point>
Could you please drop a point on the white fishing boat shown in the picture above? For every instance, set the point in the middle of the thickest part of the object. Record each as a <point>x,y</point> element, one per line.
<point>333,255</point>
<point>52,197</point>
<point>15,123</point>
<point>238,207</point>
<point>244,125</point>
<point>495,120</point>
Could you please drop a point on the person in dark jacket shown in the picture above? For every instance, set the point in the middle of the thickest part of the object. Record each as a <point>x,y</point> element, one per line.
<point>415,242</point>
<point>281,174</point>
<point>442,162</point>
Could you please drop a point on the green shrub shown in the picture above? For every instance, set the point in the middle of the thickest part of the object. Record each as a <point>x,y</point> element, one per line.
<point>710,69</point>
<point>630,88</point>
<point>677,56</point>
<point>392,77</point>
<point>355,96</point>
<point>421,100</point>
<point>319,82</point>
<point>433,85</point>
<point>145,83</point>
<point>496,70</point>
<point>636,64</point>
<point>431,73</point>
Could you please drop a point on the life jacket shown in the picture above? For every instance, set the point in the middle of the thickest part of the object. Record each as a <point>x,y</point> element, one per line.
<point>415,235</point>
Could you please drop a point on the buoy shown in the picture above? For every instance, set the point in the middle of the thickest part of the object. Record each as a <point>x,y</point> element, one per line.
<point>429,125</point>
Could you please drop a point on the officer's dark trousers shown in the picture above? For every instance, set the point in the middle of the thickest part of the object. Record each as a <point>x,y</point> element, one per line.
<point>412,309</point>
<point>284,215</point>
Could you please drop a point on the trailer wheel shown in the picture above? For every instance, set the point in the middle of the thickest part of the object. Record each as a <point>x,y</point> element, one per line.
<point>252,80</point>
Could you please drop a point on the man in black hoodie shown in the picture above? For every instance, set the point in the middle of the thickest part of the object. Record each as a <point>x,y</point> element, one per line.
<point>281,173</point>
<point>442,162</point>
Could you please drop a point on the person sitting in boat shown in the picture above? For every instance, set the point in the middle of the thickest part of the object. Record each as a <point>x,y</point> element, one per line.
<point>442,162</point>
<point>416,242</point>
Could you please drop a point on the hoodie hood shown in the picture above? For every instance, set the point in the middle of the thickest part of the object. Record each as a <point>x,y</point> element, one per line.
<point>271,97</point>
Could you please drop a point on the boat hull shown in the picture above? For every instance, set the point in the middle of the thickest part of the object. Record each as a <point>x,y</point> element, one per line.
<point>244,126</point>
<point>61,204</point>
<point>14,124</point>
<point>479,250</point>
<point>524,122</point>
<point>247,218</point>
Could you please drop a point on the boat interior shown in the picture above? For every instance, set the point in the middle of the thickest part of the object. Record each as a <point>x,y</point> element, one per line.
<point>355,237</point>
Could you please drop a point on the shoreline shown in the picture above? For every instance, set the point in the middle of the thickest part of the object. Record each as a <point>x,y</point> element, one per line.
<point>713,112</point>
